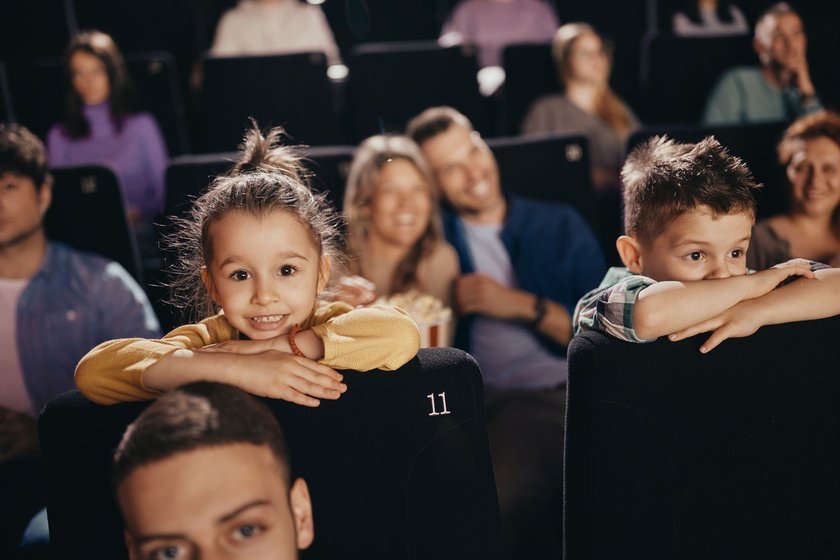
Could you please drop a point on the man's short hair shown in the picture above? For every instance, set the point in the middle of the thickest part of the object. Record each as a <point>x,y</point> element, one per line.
<point>434,121</point>
<point>196,416</point>
<point>663,179</point>
<point>23,153</point>
<point>775,10</point>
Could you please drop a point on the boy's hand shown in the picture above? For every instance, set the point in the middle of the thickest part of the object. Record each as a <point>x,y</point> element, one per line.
<point>738,321</point>
<point>280,375</point>
<point>767,280</point>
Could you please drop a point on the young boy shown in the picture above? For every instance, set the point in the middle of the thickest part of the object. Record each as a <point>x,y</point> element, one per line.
<point>204,473</point>
<point>689,211</point>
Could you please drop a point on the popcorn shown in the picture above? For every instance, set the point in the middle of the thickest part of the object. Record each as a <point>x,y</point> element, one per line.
<point>433,319</point>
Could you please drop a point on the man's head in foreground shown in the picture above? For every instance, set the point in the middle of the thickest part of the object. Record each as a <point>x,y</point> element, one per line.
<point>688,211</point>
<point>204,473</point>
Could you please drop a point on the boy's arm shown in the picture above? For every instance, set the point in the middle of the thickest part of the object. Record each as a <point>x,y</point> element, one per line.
<point>671,306</point>
<point>813,298</point>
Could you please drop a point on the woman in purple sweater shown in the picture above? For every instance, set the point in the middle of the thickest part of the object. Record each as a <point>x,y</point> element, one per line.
<point>100,127</point>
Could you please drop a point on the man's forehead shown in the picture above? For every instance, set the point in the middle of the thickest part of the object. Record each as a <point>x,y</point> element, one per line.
<point>453,145</point>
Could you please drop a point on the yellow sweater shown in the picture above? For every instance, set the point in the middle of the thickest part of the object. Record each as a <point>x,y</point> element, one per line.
<point>377,337</point>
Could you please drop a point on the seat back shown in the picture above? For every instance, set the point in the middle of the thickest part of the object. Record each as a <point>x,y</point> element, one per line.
<point>392,82</point>
<point>156,78</point>
<point>290,90</point>
<point>7,110</point>
<point>678,73</point>
<point>529,74</point>
<point>671,453</point>
<point>88,213</point>
<point>551,167</point>
<point>754,143</point>
<point>398,467</point>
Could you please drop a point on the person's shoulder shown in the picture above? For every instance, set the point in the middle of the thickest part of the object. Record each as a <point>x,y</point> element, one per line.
<point>441,254</point>
<point>142,121</point>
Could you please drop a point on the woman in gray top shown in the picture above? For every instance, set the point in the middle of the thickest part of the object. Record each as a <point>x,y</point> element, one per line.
<point>587,104</point>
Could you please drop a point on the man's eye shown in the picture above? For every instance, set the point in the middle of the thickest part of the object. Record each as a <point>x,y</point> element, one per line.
<point>240,275</point>
<point>168,553</point>
<point>249,531</point>
<point>287,270</point>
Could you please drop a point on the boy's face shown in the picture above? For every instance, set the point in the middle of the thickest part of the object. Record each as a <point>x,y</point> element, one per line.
<point>227,501</point>
<point>697,246</point>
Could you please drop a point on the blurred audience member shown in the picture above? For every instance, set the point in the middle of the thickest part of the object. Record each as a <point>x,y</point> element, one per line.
<point>55,305</point>
<point>709,18</point>
<point>587,104</point>
<point>395,235</point>
<point>263,27</point>
<point>525,264</point>
<point>491,25</point>
<point>101,127</point>
<point>780,88</point>
<point>810,152</point>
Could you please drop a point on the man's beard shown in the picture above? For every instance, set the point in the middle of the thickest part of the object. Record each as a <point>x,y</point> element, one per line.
<point>21,238</point>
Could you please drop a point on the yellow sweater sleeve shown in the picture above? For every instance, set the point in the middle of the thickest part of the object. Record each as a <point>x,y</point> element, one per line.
<point>113,371</point>
<point>377,337</point>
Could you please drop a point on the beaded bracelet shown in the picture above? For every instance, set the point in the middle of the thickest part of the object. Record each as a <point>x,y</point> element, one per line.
<point>295,350</point>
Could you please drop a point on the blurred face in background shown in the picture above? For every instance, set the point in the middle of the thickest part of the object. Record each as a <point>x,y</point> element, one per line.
<point>89,78</point>
<point>780,41</point>
<point>401,205</point>
<point>814,174</point>
<point>588,60</point>
<point>466,171</point>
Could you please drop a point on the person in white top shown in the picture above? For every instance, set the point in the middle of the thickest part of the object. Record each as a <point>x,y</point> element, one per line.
<point>264,27</point>
<point>709,18</point>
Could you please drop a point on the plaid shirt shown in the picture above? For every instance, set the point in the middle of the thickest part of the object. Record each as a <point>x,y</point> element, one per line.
<point>609,307</point>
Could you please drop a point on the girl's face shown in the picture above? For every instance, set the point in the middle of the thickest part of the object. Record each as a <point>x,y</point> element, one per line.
<point>89,78</point>
<point>588,60</point>
<point>814,173</point>
<point>265,272</point>
<point>401,206</point>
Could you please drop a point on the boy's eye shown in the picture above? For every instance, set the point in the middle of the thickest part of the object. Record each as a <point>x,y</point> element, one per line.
<point>240,275</point>
<point>737,253</point>
<point>287,270</point>
<point>695,255</point>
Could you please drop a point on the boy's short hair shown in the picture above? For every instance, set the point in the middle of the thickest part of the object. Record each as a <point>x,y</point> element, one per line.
<point>434,121</point>
<point>23,153</point>
<point>196,416</point>
<point>663,179</point>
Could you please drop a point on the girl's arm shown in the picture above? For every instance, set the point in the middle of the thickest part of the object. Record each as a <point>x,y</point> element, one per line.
<point>377,337</point>
<point>138,369</point>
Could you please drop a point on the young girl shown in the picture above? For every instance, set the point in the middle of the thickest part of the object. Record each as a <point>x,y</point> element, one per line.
<point>259,245</point>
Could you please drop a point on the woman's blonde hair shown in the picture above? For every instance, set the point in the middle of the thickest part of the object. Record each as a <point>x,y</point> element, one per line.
<point>370,158</point>
<point>608,107</point>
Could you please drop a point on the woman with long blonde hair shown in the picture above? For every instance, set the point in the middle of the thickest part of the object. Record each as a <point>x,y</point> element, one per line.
<point>394,234</point>
<point>587,105</point>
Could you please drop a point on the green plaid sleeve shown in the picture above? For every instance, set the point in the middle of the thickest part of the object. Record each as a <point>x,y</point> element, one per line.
<point>609,307</point>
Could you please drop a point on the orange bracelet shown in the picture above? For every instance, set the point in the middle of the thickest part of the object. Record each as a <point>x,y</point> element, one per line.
<point>295,350</point>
